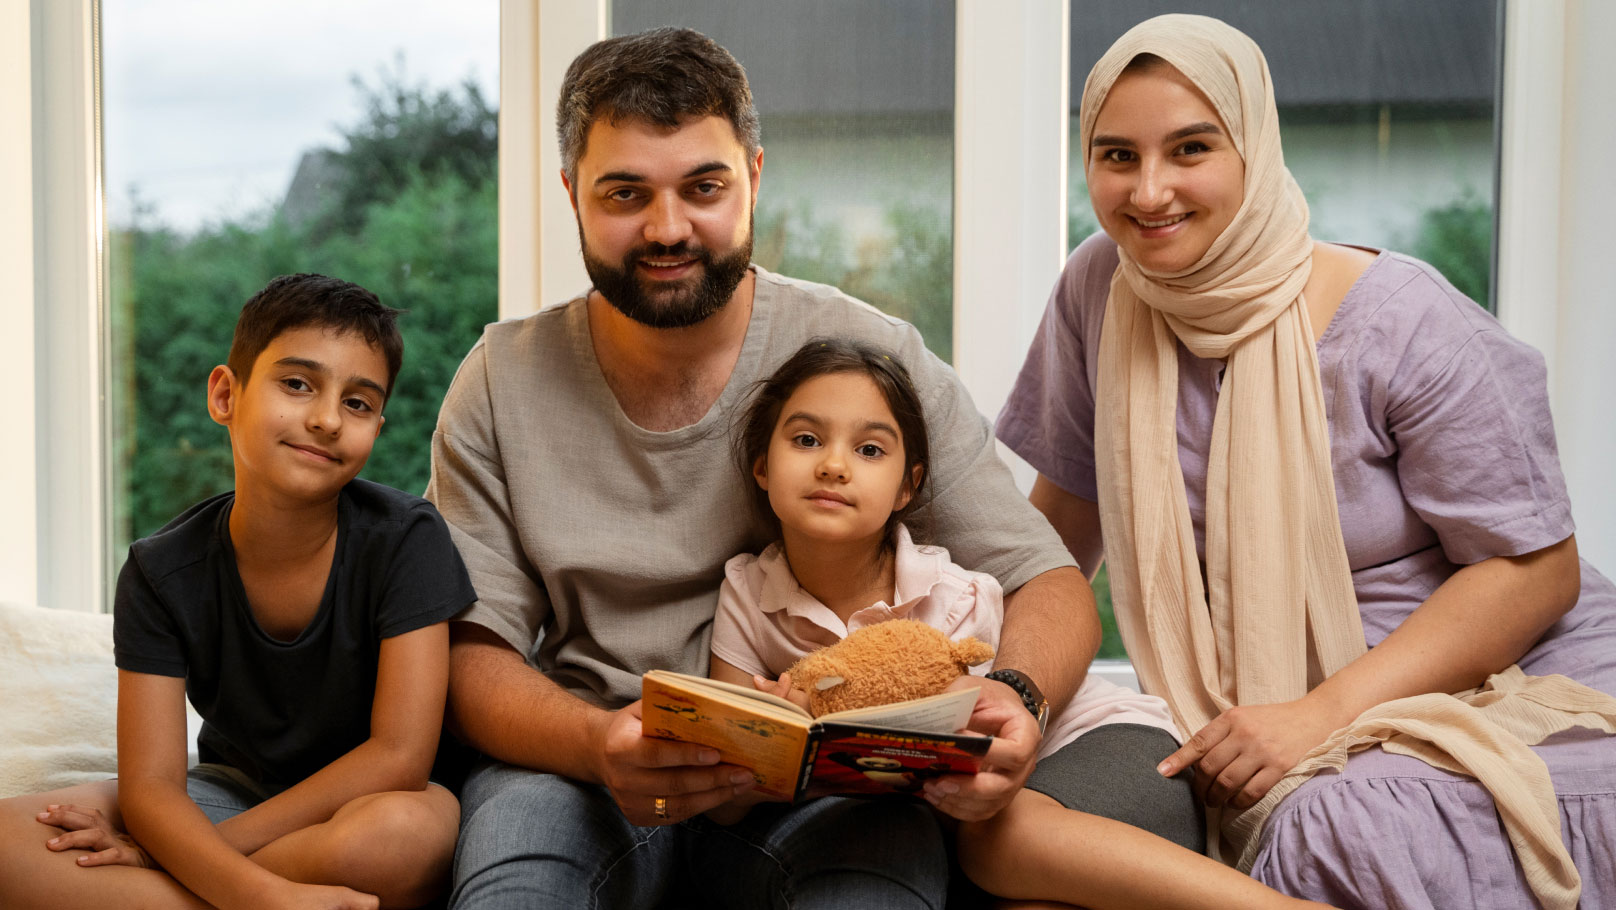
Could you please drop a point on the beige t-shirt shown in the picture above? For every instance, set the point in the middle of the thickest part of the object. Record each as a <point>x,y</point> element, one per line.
<point>597,547</point>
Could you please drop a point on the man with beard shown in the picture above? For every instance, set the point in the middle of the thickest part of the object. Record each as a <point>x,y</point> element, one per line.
<point>582,459</point>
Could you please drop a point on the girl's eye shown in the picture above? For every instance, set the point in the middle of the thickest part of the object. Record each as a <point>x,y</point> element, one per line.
<point>805,440</point>
<point>871,450</point>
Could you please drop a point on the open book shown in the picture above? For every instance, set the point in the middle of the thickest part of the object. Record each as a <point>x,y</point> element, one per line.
<point>885,749</point>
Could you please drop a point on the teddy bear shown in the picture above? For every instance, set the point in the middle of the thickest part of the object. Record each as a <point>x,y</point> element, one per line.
<point>883,663</point>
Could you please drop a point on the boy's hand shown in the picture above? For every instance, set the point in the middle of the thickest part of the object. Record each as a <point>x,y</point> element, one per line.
<point>781,688</point>
<point>644,773</point>
<point>88,829</point>
<point>295,896</point>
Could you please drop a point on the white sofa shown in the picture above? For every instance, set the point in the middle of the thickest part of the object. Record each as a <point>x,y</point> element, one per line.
<point>58,699</point>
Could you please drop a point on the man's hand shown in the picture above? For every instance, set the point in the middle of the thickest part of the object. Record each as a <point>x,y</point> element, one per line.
<point>639,770</point>
<point>1244,751</point>
<point>88,829</point>
<point>1000,713</point>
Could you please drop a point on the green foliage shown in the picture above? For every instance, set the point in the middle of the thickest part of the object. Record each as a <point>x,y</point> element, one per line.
<point>1111,640</point>
<point>1457,238</point>
<point>419,229</point>
<point>908,272</point>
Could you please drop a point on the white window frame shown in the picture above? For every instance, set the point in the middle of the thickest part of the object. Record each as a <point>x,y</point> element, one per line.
<point>1553,287</point>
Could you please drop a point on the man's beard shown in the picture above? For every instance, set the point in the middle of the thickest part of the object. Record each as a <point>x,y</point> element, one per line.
<point>669,305</point>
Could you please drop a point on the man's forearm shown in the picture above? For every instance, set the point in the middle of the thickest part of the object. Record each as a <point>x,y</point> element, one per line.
<point>1051,632</point>
<point>512,712</point>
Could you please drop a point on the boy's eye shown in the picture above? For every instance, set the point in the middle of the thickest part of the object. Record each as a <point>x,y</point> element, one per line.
<point>805,440</point>
<point>871,450</point>
<point>295,384</point>
<point>358,404</point>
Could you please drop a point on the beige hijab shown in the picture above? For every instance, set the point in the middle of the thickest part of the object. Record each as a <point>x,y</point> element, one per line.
<point>1276,612</point>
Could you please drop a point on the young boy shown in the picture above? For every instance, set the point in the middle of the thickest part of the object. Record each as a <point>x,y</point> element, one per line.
<point>305,615</point>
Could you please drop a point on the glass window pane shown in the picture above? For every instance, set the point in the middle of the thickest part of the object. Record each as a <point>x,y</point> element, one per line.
<point>857,102</point>
<point>245,141</point>
<point>1388,115</point>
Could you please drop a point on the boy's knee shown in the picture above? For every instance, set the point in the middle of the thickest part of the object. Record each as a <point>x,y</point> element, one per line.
<point>398,845</point>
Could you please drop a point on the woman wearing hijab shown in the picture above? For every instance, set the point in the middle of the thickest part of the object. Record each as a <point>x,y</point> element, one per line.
<point>1337,532</point>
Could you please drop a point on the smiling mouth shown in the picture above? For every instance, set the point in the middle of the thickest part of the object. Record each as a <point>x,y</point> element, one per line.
<point>312,452</point>
<point>1165,222</point>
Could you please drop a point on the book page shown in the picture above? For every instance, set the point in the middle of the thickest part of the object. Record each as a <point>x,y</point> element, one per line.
<point>752,734</point>
<point>942,713</point>
<point>724,691</point>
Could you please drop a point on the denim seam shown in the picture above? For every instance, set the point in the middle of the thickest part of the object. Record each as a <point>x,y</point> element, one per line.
<point>606,871</point>
<point>786,879</point>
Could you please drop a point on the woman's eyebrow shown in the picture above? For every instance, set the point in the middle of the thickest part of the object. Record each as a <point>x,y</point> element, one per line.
<point>1194,129</point>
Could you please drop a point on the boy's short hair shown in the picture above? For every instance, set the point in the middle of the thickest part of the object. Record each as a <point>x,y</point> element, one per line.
<point>657,76</point>
<point>307,300</point>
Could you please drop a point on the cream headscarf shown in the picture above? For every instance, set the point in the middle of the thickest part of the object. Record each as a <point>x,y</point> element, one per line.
<point>1276,612</point>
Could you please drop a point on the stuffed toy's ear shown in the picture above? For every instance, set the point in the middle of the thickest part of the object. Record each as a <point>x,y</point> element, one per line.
<point>968,652</point>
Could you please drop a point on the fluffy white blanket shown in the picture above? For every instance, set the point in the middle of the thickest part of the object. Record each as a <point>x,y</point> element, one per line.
<point>58,699</point>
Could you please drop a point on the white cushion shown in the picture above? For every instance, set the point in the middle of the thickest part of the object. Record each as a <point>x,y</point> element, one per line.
<point>58,699</point>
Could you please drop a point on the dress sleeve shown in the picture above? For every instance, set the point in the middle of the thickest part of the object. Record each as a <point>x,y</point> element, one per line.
<point>737,636</point>
<point>1476,451</point>
<point>145,635</point>
<point>1049,417</point>
<point>426,580</point>
<point>469,488</point>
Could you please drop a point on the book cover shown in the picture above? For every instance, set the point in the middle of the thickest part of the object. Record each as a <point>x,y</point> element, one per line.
<point>883,749</point>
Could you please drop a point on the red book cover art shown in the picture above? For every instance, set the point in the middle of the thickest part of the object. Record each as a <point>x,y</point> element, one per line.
<point>850,759</point>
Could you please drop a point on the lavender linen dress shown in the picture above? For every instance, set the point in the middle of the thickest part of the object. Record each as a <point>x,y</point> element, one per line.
<point>1443,453</point>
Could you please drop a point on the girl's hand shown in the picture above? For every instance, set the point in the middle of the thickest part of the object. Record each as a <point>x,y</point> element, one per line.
<point>88,829</point>
<point>781,688</point>
<point>1244,751</point>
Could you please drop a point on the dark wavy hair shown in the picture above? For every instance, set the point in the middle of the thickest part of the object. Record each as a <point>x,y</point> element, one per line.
<point>307,300</point>
<point>657,76</point>
<point>823,357</point>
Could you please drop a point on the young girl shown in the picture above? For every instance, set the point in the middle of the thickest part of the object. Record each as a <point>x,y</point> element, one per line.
<point>836,442</point>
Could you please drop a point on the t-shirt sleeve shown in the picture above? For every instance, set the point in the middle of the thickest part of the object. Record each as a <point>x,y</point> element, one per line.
<point>1049,417</point>
<point>737,626</point>
<point>974,509</point>
<point>145,634</point>
<point>1476,451</point>
<point>426,581</point>
<point>469,488</point>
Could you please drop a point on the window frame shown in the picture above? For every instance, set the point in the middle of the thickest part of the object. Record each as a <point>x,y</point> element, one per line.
<point>55,530</point>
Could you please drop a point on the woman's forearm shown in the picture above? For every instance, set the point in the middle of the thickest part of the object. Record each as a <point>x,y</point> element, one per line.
<point>1479,621</point>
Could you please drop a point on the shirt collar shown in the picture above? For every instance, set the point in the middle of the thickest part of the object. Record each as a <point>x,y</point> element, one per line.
<point>916,571</point>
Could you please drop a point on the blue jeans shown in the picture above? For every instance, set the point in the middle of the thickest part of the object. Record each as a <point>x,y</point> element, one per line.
<point>540,840</point>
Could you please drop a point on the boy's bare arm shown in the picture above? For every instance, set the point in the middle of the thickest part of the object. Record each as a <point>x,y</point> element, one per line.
<point>406,716</point>
<point>514,713</point>
<point>159,814</point>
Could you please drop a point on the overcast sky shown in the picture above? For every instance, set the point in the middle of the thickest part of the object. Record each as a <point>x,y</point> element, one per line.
<point>208,105</point>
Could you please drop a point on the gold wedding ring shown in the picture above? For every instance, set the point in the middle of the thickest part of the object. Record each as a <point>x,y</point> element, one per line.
<point>661,807</point>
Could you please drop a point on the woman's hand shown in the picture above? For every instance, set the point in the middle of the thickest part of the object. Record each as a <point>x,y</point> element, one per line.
<point>88,829</point>
<point>1244,751</point>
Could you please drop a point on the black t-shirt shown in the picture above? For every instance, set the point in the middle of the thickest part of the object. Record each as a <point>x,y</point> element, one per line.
<point>282,710</point>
